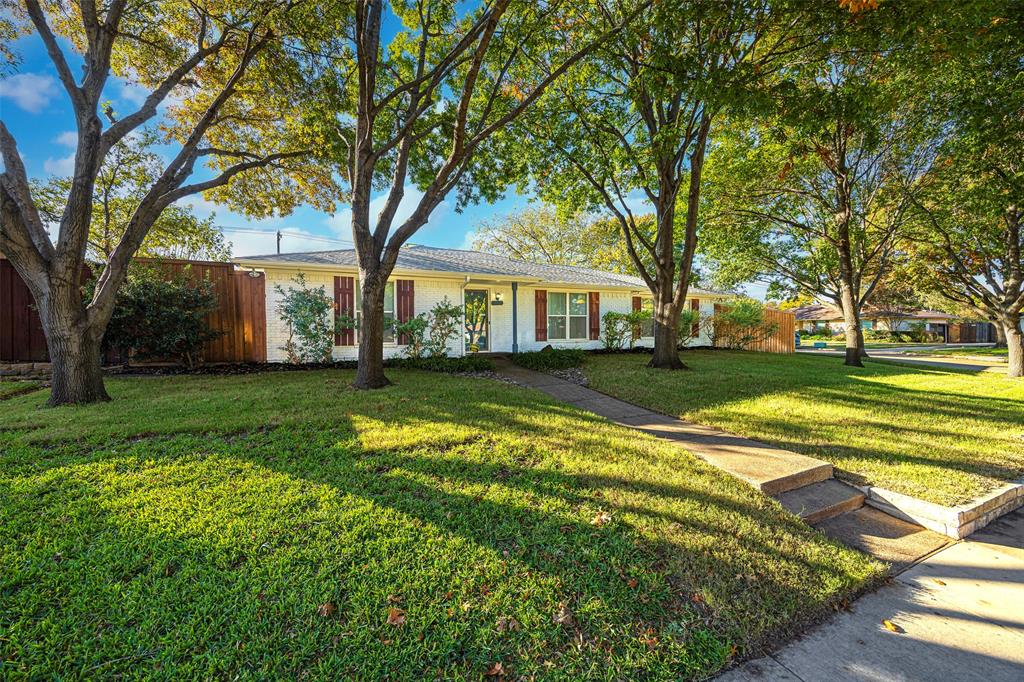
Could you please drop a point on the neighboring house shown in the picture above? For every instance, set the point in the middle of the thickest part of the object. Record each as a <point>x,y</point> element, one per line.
<point>823,319</point>
<point>525,306</point>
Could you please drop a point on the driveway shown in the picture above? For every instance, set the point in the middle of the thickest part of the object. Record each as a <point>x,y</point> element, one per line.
<point>957,615</point>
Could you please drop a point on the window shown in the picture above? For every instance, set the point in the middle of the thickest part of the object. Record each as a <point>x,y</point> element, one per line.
<point>389,311</point>
<point>567,316</point>
<point>867,324</point>
<point>647,326</point>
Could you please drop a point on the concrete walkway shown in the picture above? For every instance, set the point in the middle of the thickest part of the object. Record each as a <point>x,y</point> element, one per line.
<point>803,485</point>
<point>958,615</point>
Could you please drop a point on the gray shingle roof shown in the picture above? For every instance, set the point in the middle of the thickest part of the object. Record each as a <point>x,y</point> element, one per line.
<point>433,259</point>
<point>828,312</point>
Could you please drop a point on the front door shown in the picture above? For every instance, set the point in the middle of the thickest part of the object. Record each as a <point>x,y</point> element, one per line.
<point>476,320</point>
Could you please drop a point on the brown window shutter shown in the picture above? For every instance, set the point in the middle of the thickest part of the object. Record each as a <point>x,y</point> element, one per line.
<point>405,305</point>
<point>540,310</point>
<point>695,329</point>
<point>595,315</point>
<point>637,305</point>
<point>344,304</point>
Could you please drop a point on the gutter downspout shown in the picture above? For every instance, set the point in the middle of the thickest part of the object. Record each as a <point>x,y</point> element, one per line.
<point>515,317</point>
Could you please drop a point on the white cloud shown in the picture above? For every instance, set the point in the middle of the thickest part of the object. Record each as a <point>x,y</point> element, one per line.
<point>30,91</point>
<point>69,138</point>
<point>134,94</point>
<point>341,221</point>
<point>61,167</point>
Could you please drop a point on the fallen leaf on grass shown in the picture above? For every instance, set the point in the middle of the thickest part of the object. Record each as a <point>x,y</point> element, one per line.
<point>495,670</point>
<point>394,599</point>
<point>892,627</point>
<point>632,583</point>
<point>326,609</point>
<point>601,518</point>
<point>563,616</point>
<point>507,624</point>
<point>396,616</point>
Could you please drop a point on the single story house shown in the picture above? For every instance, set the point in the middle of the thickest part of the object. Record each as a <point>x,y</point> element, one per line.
<point>511,306</point>
<point>818,318</point>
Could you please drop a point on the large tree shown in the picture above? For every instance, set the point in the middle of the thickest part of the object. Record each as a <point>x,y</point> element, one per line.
<point>816,197</point>
<point>127,173</point>
<point>430,101</point>
<point>543,234</point>
<point>971,231</point>
<point>228,74</point>
<point>632,126</point>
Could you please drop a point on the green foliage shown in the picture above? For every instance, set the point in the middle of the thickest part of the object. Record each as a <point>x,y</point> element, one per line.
<point>551,358</point>
<point>445,325</point>
<point>194,513</point>
<point>445,364</point>
<point>741,324</point>
<point>129,171</point>
<point>619,330</point>
<point>308,313</point>
<point>157,317</point>
<point>413,333</point>
<point>689,326</point>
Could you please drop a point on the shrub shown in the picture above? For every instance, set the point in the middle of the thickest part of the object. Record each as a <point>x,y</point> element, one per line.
<point>445,323</point>
<point>414,332</point>
<point>307,311</point>
<point>550,358</point>
<point>688,320</point>
<point>443,363</point>
<point>741,324</point>
<point>156,317</point>
<point>620,329</point>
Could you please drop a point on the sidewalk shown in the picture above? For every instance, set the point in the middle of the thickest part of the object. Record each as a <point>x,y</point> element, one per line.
<point>959,615</point>
<point>956,610</point>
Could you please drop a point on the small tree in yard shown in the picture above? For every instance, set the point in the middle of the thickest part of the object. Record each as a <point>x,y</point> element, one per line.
<point>618,329</point>
<point>156,317</point>
<point>307,311</point>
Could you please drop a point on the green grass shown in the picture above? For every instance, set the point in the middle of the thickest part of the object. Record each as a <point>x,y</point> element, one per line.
<point>999,354</point>
<point>942,436</point>
<point>13,388</point>
<point>263,525</point>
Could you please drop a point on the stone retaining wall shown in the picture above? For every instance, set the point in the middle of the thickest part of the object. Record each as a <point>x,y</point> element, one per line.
<point>24,369</point>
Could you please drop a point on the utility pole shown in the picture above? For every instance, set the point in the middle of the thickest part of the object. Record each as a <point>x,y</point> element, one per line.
<point>279,242</point>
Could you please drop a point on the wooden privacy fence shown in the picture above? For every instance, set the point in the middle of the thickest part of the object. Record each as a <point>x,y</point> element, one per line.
<point>240,315</point>
<point>784,338</point>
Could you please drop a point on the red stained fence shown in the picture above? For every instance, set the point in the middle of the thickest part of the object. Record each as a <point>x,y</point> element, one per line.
<point>784,338</point>
<point>240,315</point>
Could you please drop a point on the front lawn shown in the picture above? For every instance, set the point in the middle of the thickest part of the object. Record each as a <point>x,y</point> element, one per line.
<point>284,526</point>
<point>939,435</point>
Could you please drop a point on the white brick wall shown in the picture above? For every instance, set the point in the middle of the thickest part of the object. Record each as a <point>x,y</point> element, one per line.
<point>426,294</point>
<point>430,291</point>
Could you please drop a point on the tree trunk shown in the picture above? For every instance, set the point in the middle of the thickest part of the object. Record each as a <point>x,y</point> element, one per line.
<point>1000,335</point>
<point>851,319</point>
<point>77,372</point>
<point>861,350</point>
<point>666,350</point>
<point>370,372</point>
<point>1015,348</point>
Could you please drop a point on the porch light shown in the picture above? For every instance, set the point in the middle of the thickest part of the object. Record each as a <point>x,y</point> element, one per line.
<point>499,299</point>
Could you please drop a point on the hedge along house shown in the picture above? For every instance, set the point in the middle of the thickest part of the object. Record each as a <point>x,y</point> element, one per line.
<point>509,306</point>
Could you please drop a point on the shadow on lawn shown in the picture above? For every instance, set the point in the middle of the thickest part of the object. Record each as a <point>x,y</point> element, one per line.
<point>521,510</point>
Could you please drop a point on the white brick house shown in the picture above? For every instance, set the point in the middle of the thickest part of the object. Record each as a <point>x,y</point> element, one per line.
<point>527,305</point>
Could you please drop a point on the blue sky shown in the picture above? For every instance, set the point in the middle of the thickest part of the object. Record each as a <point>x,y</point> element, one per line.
<point>35,108</point>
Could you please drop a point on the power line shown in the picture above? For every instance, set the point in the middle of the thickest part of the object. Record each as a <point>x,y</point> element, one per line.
<point>285,233</point>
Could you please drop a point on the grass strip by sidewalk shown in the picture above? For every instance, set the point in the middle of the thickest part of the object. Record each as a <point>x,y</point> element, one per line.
<point>942,436</point>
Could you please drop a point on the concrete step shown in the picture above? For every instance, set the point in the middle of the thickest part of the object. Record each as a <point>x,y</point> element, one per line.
<point>884,537</point>
<point>822,500</point>
<point>770,470</point>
